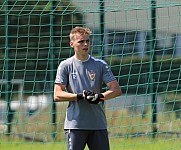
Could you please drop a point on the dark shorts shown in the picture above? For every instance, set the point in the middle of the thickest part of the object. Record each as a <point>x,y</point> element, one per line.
<point>95,139</point>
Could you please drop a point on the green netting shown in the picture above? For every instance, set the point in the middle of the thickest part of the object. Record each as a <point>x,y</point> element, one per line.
<point>141,41</point>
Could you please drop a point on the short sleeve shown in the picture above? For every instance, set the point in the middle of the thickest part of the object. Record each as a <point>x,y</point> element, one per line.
<point>62,74</point>
<point>107,73</point>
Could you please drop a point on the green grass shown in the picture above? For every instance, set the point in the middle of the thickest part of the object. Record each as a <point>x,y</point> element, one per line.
<point>121,125</point>
<point>145,144</point>
<point>140,143</point>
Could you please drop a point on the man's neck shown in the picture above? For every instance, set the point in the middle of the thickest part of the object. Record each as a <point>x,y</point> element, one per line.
<point>82,58</point>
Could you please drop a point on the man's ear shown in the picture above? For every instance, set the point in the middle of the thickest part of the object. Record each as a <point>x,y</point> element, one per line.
<point>71,44</point>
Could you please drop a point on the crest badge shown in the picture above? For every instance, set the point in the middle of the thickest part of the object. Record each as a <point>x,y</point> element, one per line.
<point>91,75</point>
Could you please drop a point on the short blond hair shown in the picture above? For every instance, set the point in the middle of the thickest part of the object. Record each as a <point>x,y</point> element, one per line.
<point>79,30</point>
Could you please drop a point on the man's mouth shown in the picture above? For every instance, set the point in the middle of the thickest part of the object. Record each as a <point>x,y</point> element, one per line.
<point>85,49</point>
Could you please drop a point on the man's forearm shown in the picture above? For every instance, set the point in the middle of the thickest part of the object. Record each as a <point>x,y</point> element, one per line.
<point>64,96</point>
<point>109,94</point>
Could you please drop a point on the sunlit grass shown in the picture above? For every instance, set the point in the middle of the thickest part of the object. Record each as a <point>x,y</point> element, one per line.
<point>115,144</point>
<point>127,130</point>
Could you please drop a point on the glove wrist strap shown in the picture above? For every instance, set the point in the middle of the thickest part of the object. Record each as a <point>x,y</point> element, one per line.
<point>80,96</point>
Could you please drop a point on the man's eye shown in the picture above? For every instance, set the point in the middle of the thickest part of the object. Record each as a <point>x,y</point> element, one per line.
<point>82,41</point>
<point>87,41</point>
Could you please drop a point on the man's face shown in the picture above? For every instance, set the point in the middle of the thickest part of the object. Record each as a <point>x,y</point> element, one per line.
<point>81,44</point>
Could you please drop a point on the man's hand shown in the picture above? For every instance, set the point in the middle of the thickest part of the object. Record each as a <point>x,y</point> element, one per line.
<point>92,98</point>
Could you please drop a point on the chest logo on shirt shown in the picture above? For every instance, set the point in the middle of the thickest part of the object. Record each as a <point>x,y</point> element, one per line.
<point>74,75</point>
<point>91,75</point>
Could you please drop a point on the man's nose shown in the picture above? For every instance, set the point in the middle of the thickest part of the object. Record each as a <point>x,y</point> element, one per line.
<point>85,43</point>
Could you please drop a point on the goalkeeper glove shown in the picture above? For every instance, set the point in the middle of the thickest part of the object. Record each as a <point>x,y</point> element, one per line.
<point>80,96</point>
<point>92,98</point>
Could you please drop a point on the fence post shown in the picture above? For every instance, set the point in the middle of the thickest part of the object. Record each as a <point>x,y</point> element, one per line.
<point>7,70</point>
<point>101,8</point>
<point>153,68</point>
<point>52,73</point>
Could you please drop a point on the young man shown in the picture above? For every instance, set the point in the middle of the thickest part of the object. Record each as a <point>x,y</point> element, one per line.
<point>79,81</point>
